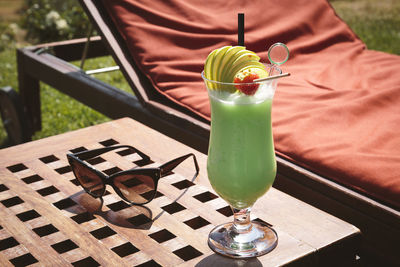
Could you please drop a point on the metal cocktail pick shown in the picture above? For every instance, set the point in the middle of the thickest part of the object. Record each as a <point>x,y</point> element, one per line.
<point>278,54</point>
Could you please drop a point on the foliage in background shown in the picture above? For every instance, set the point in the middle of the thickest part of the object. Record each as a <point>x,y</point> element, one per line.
<point>48,21</point>
<point>53,20</point>
<point>7,35</point>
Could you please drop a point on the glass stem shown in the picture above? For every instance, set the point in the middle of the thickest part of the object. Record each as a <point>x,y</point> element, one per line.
<point>241,220</point>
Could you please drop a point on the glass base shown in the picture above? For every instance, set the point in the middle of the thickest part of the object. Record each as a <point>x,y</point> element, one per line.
<point>257,240</point>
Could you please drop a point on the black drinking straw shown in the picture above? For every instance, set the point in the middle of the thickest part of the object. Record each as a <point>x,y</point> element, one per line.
<point>241,29</point>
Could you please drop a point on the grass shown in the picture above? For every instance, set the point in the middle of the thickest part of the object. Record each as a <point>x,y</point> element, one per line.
<point>376,22</point>
<point>61,113</point>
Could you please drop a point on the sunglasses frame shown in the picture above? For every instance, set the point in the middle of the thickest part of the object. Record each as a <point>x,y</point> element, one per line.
<point>155,173</point>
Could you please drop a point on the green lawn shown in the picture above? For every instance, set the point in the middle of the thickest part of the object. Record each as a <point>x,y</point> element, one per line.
<point>377,23</point>
<point>60,113</point>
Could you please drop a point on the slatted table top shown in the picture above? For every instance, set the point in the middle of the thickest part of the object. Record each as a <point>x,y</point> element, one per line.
<point>46,219</point>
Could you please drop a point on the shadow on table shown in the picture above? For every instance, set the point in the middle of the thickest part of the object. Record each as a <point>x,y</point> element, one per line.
<point>129,216</point>
<point>220,261</point>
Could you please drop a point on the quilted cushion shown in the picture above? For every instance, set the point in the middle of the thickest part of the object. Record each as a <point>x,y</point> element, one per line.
<point>338,114</point>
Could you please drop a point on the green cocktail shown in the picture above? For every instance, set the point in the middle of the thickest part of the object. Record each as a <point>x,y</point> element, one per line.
<point>241,159</point>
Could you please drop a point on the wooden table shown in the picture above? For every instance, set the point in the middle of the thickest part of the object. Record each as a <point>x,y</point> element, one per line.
<point>46,219</point>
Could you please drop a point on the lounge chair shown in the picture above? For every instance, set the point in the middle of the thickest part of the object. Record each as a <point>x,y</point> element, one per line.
<point>335,119</point>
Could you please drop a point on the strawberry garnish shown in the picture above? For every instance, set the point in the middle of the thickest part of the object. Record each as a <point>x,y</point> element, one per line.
<point>248,89</point>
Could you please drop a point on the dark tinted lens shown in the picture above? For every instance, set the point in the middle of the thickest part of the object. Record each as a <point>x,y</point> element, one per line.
<point>88,179</point>
<point>136,188</point>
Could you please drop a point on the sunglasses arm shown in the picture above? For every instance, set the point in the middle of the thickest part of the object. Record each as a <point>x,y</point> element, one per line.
<point>170,165</point>
<point>84,155</point>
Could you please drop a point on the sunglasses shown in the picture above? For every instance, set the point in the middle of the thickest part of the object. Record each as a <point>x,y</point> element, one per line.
<point>137,186</point>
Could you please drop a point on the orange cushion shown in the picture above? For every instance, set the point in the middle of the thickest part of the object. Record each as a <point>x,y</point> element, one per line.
<point>337,115</point>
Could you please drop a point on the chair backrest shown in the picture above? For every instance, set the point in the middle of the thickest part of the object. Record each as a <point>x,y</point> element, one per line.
<point>327,116</point>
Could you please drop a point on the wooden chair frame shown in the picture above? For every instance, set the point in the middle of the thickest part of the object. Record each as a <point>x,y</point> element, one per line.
<point>379,223</point>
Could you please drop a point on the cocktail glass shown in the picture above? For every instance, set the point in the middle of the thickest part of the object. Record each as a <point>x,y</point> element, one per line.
<point>241,163</point>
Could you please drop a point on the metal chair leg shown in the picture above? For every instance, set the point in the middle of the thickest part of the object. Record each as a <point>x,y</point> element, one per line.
<point>13,116</point>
